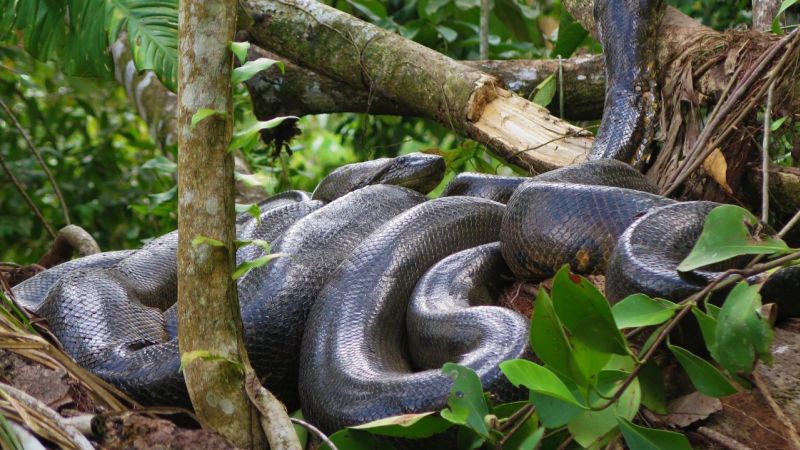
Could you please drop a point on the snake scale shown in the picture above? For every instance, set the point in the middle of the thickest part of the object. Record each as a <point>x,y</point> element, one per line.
<point>383,285</point>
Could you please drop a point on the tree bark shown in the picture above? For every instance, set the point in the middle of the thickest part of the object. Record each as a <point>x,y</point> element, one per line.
<point>763,13</point>
<point>208,307</point>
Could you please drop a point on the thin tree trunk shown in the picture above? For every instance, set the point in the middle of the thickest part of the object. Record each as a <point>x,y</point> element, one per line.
<point>209,324</point>
<point>763,13</point>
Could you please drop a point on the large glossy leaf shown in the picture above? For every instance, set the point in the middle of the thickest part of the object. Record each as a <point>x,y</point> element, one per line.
<point>742,336</point>
<point>85,50</point>
<point>152,27</point>
<point>538,379</point>
<point>639,310</point>
<point>729,231</point>
<point>584,311</point>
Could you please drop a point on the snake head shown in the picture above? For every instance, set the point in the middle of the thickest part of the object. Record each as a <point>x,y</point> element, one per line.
<point>417,171</point>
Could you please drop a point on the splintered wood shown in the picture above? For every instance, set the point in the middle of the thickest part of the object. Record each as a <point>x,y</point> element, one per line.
<point>528,135</point>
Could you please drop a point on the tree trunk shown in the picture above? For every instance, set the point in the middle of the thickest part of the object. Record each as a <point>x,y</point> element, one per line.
<point>208,308</point>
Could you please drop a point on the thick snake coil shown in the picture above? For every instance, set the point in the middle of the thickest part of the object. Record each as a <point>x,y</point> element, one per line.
<point>382,286</point>
<point>393,285</point>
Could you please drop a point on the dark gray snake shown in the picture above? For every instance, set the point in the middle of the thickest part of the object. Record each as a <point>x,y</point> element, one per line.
<point>383,286</point>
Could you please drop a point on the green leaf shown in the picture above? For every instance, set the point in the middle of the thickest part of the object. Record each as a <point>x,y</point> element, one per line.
<point>639,310</point>
<point>641,438</point>
<point>584,311</point>
<point>777,123</point>
<point>240,50</point>
<point>242,269</point>
<point>448,34</point>
<point>776,24</point>
<point>545,91</point>
<point>160,164</point>
<point>199,240</point>
<point>204,113</point>
<point>152,33</point>
<point>538,379</point>
<point>524,432</point>
<point>652,383</point>
<point>411,426</point>
<point>250,208</point>
<point>85,50</point>
<point>349,439</point>
<point>705,377</point>
<point>552,412</point>
<point>708,327</point>
<point>547,336</point>
<point>593,427</point>
<point>189,357</point>
<point>241,138</point>
<point>251,68</point>
<point>727,233</point>
<point>531,441</point>
<point>570,35</point>
<point>466,403</point>
<point>742,336</point>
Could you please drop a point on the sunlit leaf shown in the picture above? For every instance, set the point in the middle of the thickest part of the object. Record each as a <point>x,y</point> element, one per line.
<point>466,403</point>
<point>160,164</point>
<point>204,113</point>
<point>251,68</point>
<point>201,240</point>
<point>412,426</point>
<point>250,208</point>
<point>639,310</point>
<point>242,269</point>
<point>240,50</point>
<point>728,232</point>
<point>538,379</point>
<point>545,91</point>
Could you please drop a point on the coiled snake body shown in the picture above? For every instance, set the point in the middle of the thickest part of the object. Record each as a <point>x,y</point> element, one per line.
<point>382,286</point>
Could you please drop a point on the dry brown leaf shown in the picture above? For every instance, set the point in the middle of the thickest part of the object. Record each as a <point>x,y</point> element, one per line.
<point>716,166</point>
<point>686,410</point>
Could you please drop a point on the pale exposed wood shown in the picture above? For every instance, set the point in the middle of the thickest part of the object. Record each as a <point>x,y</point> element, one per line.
<point>526,134</point>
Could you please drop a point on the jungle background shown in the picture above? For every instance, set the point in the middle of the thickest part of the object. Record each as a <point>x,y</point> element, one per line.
<point>119,184</point>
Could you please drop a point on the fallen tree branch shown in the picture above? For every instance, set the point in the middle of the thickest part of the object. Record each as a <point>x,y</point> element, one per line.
<point>466,100</point>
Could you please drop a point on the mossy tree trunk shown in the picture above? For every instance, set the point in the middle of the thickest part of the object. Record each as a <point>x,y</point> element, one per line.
<point>209,323</point>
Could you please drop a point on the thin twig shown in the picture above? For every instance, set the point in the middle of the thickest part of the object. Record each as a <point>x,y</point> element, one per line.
<point>789,225</point>
<point>721,439</point>
<point>317,432</point>
<point>15,395</point>
<point>516,422</point>
<point>779,414</point>
<point>484,29</point>
<point>21,190</point>
<point>765,156</point>
<point>38,157</point>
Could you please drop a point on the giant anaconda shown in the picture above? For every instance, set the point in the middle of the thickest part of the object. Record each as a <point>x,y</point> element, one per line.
<point>393,285</point>
<point>383,285</point>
